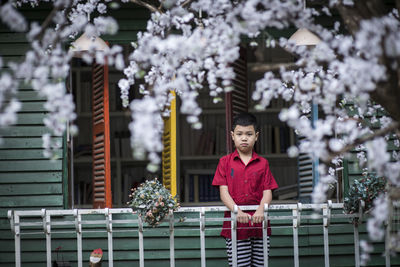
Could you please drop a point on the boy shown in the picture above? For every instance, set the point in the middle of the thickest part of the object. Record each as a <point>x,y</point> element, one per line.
<point>244,178</point>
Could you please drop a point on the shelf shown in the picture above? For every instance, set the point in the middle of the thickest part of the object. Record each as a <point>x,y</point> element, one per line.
<point>201,157</point>
<point>217,157</point>
<point>222,111</point>
<point>111,71</point>
<point>267,110</point>
<point>112,114</point>
<point>88,159</point>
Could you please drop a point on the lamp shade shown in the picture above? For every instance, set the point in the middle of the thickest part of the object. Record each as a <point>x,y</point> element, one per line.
<point>86,43</point>
<point>304,37</point>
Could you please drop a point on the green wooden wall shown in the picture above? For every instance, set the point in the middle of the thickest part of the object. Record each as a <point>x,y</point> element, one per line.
<point>27,179</point>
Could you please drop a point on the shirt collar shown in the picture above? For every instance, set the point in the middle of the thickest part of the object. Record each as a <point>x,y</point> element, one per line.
<point>254,156</point>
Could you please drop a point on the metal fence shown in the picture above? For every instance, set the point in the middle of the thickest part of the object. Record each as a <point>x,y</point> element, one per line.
<point>50,222</point>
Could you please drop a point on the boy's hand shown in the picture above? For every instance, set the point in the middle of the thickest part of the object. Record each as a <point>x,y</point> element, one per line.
<point>258,217</point>
<point>243,217</point>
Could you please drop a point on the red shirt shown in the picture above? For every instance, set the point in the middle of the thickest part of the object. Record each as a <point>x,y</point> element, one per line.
<point>246,184</point>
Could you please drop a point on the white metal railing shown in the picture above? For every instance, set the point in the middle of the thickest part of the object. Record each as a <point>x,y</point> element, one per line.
<point>48,222</point>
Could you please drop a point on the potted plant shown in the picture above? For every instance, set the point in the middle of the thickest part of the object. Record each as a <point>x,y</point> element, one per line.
<point>152,201</point>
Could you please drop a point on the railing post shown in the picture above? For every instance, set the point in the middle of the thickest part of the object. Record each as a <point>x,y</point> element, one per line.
<point>265,235</point>
<point>326,221</point>
<point>233,235</point>
<point>203,237</point>
<point>47,230</point>
<point>108,215</point>
<point>141,249</point>
<point>296,223</point>
<point>78,229</point>
<point>356,234</point>
<point>387,224</point>
<point>387,249</point>
<point>356,245</point>
<point>15,228</point>
<point>171,239</point>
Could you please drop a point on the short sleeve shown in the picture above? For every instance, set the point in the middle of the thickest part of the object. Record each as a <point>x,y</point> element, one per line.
<point>269,180</point>
<point>220,173</point>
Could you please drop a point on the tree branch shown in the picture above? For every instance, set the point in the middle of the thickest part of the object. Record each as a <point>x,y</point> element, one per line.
<point>361,10</point>
<point>398,5</point>
<point>392,127</point>
<point>187,2</point>
<point>146,5</point>
<point>46,23</point>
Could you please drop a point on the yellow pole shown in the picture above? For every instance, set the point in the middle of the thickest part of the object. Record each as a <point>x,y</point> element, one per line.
<point>169,155</point>
<point>173,130</point>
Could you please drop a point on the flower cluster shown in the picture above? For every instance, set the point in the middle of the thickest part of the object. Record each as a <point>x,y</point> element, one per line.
<point>200,56</point>
<point>152,201</point>
<point>365,189</point>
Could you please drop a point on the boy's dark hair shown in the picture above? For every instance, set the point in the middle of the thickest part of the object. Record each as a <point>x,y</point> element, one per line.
<point>245,119</point>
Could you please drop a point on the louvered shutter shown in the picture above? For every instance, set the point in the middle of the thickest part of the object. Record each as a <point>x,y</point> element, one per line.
<point>305,177</point>
<point>169,168</point>
<point>101,138</point>
<point>308,169</point>
<point>236,101</point>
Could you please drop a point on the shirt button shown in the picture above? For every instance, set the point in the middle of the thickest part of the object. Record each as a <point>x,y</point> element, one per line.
<point>247,195</point>
<point>245,181</point>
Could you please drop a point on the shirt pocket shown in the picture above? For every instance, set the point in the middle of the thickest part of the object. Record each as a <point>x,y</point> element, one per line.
<point>256,181</point>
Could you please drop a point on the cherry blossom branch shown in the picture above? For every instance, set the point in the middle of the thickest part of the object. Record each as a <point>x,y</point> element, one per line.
<point>186,3</point>
<point>62,26</point>
<point>46,23</point>
<point>392,127</point>
<point>146,5</point>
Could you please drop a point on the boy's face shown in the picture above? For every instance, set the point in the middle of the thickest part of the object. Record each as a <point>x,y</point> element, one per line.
<point>244,138</point>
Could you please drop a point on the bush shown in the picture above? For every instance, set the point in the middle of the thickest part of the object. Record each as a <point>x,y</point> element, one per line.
<point>365,189</point>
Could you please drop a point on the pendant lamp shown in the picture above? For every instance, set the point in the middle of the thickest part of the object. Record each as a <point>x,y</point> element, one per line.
<point>304,37</point>
<point>86,43</point>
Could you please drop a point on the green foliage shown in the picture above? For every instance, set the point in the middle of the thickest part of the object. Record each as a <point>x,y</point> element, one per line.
<point>365,189</point>
<point>152,201</point>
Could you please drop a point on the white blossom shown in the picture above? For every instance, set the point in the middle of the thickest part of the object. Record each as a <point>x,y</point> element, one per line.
<point>293,151</point>
<point>9,115</point>
<point>12,18</point>
<point>106,25</point>
<point>102,8</point>
<point>146,129</point>
<point>377,154</point>
<point>375,224</point>
<point>366,250</point>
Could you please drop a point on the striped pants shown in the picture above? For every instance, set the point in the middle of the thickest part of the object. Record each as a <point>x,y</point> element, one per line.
<point>249,252</point>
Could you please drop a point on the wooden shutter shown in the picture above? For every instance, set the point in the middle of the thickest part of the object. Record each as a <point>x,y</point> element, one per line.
<point>308,168</point>
<point>305,177</point>
<point>101,138</point>
<point>236,101</point>
<point>169,167</point>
